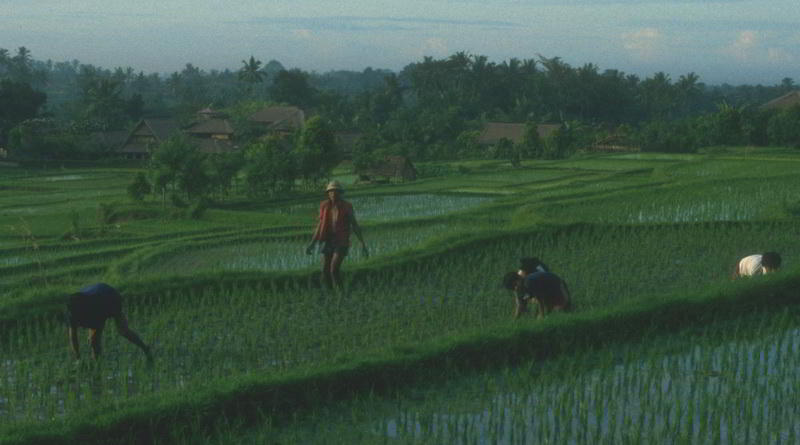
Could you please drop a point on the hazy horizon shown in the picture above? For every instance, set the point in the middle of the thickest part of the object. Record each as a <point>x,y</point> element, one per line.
<point>727,41</point>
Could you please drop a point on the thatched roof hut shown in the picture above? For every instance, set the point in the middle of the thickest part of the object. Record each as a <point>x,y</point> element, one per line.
<point>788,100</point>
<point>389,168</point>
<point>211,128</point>
<point>146,135</point>
<point>279,118</point>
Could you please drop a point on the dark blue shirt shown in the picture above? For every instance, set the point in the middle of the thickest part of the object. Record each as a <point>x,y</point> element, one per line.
<point>92,305</point>
<point>546,287</point>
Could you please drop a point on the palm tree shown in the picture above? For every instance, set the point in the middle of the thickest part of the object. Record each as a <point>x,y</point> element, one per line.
<point>688,90</point>
<point>21,65</point>
<point>105,103</point>
<point>250,71</point>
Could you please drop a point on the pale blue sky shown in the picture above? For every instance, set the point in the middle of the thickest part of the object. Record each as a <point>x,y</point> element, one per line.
<point>734,41</point>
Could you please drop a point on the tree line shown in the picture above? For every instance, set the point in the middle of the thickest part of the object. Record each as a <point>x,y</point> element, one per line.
<point>431,109</point>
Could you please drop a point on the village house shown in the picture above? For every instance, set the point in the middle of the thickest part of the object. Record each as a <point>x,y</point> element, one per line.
<point>788,100</point>
<point>280,120</point>
<point>389,168</point>
<point>146,136</point>
<point>212,132</point>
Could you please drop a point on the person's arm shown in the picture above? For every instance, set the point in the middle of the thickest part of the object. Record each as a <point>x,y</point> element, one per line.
<point>315,235</point>
<point>357,232</point>
<point>73,341</point>
<point>122,328</point>
<point>313,243</point>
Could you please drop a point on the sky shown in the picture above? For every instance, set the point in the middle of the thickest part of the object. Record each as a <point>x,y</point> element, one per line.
<point>723,41</point>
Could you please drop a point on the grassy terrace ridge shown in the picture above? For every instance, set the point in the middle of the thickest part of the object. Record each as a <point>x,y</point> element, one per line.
<point>282,397</point>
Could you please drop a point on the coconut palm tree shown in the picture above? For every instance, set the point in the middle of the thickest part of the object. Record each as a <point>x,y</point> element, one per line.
<point>250,71</point>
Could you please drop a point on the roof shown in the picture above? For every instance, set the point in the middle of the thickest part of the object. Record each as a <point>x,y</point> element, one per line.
<point>392,166</point>
<point>160,129</point>
<point>279,117</point>
<point>494,131</point>
<point>209,112</point>
<point>786,101</point>
<point>210,126</point>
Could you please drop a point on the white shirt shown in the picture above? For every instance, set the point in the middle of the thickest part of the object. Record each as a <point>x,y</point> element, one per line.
<point>751,265</point>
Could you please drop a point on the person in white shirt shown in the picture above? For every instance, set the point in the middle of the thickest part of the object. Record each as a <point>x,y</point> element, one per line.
<point>758,264</point>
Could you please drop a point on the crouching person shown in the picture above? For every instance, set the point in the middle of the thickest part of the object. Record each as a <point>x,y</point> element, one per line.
<point>544,289</point>
<point>762,264</point>
<point>89,308</point>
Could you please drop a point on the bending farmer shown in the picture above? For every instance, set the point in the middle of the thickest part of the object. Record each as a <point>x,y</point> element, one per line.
<point>529,265</point>
<point>546,289</point>
<point>336,220</point>
<point>89,308</point>
<point>757,265</point>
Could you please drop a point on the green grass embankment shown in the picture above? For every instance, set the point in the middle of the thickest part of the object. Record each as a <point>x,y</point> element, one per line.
<point>278,399</point>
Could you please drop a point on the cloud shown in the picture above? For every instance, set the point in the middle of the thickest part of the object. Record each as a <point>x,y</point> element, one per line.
<point>356,23</point>
<point>644,43</point>
<point>755,47</point>
<point>434,47</point>
<point>744,47</point>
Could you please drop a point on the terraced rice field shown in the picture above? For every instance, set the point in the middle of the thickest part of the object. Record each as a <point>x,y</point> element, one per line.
<point>232,297</point>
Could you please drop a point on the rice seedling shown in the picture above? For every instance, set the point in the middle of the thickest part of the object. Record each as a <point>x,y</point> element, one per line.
<point>698,393</point>
<point>637,235</point>
<point>394,207</point>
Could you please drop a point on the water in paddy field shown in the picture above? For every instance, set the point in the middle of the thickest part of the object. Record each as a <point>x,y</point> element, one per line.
<point>731,392</point>
<point>394,207</point>
<point>288,254</point>
<point>13,261</point>
<point>62,178</point>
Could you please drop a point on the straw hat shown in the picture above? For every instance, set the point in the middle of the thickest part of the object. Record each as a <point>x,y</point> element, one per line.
<point>333,185</point>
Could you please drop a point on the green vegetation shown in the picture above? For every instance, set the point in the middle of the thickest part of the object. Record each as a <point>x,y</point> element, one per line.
<point>248,347</point>
<point>729,382</point>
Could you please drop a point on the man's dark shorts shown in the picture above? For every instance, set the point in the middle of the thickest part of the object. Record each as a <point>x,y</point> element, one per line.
<point>92,305</point>
<point>330,247</point>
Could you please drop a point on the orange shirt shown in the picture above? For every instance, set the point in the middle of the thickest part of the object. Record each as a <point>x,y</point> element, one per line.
<point>334,222</point>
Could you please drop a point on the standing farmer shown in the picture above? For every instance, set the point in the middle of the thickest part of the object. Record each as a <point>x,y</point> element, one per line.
<point>762,264</point>
<point>89,308</point>
<point>336,220</point>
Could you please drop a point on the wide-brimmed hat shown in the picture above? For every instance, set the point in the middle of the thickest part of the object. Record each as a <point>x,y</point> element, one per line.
<point>333,185</point>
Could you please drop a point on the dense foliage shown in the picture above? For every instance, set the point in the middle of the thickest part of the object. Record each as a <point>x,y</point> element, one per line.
<point>428,110</point>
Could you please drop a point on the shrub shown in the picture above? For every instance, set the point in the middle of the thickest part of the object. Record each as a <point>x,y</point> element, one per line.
<point>197,209</point>
<point>139,188</point>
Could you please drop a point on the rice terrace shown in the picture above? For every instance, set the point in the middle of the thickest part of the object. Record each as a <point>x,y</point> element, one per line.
<point>419,345</point>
